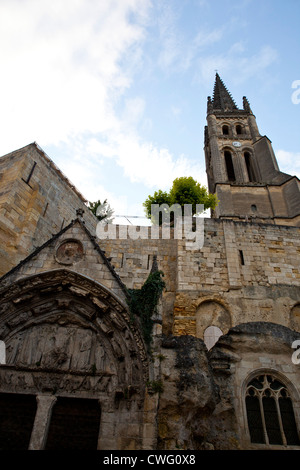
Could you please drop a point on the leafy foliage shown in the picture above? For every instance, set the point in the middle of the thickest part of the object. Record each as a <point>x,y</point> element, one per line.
<point>143,302</point>
<point>185,190</point>
<point>102,211</point>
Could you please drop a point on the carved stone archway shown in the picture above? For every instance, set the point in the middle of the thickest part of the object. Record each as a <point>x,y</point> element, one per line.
<point>66,335</point>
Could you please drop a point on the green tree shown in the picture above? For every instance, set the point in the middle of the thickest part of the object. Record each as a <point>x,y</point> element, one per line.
<point>159,197</point>
<point>102,211</point>
<point>184,190</point>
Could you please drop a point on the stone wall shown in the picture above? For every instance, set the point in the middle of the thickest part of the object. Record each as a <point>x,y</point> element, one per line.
<point>202,404</point>
<point>244,280</point>
<point>271,204</point>
<point>244,272</point>
<point>36,201</point>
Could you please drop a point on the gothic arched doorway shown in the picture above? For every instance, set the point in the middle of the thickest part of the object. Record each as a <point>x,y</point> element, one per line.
<point>71,344</point>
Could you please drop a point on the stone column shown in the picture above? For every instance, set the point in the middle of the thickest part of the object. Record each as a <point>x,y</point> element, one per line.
<point>108,438</point>
<point>253,127</point>
<point>42,421</point>
<point>217,160</point>
<point>239,167</point>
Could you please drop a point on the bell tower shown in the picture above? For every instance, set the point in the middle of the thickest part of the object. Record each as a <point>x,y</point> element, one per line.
<point>241,165</point>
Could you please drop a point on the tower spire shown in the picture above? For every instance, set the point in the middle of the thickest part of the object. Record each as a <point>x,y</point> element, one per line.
<point>222,99</point>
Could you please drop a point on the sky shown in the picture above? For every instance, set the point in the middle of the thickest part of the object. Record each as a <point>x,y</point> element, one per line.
<point>115,91</point>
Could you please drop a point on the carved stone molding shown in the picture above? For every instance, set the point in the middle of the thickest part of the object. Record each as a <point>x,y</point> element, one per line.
<point>62,321</point>
<point>69,252</point>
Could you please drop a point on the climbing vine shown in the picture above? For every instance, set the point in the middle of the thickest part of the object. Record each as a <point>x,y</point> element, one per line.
<point>143,302</point>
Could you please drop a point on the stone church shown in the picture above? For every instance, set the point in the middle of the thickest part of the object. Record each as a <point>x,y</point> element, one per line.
<point>218,368</point>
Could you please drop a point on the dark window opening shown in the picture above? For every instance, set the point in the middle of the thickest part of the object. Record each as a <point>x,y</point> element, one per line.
<point>249,165</point>
<point>17,414</point>
<point>74,425</point>
<point>239,129</point>
<point>288,421</point>
<point>270,413</point>
<point>271,420</point>
<point>242,257</point>
<point>254,420</point>
<point>229,166</point>
<point>225,130</point>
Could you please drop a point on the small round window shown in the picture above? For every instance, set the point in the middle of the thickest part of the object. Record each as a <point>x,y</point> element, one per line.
<point>69,252</point>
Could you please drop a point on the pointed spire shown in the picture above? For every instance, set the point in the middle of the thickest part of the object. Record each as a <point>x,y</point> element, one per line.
<point>246,105</point>
<point>209,105</point>
<point>222,99</point>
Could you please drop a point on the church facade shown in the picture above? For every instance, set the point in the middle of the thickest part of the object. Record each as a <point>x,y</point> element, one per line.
<point>220,370</point>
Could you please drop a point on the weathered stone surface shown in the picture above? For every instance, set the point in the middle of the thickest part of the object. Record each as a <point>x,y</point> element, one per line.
<point>66,330</point>
<point>189,394</point>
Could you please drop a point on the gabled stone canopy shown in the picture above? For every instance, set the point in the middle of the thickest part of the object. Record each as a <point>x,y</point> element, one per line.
<point>75,248</point>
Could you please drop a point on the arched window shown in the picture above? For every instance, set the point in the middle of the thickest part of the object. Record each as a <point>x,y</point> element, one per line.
<point>2,353</point>
<point>249,166</point>
<point>238,129</point>
<point>229,166</point>
<point>225,129</point>
<point>270,413</point>
<point>211,336</point>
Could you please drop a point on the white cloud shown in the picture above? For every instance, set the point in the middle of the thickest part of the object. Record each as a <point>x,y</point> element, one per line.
<point>143,162</point>
<point>289,162</point>
<point>62,64</point>
<point>238,60</point>
<point>257,63</point>
<point>65,65</point>
<point>169,36</point>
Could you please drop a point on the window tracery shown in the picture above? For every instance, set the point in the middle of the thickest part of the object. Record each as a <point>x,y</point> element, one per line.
<point>270,412</point>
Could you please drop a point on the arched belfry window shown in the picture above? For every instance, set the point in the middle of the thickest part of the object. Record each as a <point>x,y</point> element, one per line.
<point>229,165</point>
<point>249,166</point>
<point>225,129</point>
<point>238,129</point>
<point>270,412</point>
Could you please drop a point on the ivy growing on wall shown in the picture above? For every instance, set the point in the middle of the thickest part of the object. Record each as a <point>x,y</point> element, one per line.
<point>143,302</point>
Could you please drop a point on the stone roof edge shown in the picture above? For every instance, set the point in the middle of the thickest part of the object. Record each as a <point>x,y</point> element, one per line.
<point>51,163</point>
<point>37,251</point>
<point>104,257</point>
<point>55,237</point>
<point>58,171</point>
